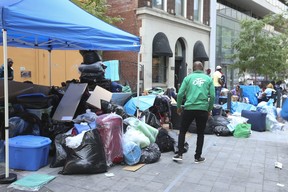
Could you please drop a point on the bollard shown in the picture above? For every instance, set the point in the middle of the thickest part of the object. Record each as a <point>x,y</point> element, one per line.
<point>278,100</point>
<point>229,101</point>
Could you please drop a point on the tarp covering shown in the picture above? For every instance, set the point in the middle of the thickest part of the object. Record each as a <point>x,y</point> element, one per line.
<point>60,24</point>
<point>250,91</point>
<point>145,102</point>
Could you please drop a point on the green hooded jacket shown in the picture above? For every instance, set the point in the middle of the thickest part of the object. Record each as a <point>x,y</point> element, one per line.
<point>199,91</point>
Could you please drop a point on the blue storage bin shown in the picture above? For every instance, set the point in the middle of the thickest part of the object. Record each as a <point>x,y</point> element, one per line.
<point>28,152</point>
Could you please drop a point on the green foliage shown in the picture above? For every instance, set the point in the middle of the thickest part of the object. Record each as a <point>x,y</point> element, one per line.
<point>262,47</point>
<point>98,8</point>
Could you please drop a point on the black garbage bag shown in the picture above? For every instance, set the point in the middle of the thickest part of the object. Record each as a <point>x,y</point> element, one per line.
<point>209,129</point>
<point>150,154</point>
<point>60,153</point>
<point>88,158</point>
<point>220,126</point>
<point>24,124</point>
<point>220,120</point>
<point>164,141</point>
<point>150,118</point>
<point>108,107</point>
<point>174,135</point>
<point>222,131</point>
<point>90,56</point>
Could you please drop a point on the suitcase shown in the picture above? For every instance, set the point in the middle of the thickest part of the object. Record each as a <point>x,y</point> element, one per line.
<point>256,119</point>
<point>110,127</point>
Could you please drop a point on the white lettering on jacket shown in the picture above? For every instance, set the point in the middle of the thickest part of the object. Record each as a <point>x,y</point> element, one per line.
<point>198,82</point>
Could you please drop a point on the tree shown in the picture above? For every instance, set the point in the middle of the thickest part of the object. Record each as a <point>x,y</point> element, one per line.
<point>99,9</point>
<point>262,47</point>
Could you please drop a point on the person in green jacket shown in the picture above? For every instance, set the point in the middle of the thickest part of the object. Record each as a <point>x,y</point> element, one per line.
<point>200,94</point>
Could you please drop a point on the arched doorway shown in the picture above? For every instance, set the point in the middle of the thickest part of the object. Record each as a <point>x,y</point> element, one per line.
<point>180,63</point>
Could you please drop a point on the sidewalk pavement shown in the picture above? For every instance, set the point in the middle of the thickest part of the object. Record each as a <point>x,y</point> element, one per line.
<point>232,165</point>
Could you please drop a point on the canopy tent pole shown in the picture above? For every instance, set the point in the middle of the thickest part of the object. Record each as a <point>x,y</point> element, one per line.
<point>7,178</point>
<point>50,67</point>
<point>138,82</point>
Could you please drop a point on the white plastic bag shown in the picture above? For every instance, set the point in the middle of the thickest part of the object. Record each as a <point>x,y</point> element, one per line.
<point>74,141</point>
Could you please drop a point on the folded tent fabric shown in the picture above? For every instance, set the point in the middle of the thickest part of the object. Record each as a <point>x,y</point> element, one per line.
<point>91,68</point>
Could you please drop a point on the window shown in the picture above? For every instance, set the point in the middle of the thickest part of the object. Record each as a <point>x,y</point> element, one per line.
<point>159,69</point>
<point>197,10</point>
<point>158,4</point>
<point>178,49</point>
<point>179,7</point>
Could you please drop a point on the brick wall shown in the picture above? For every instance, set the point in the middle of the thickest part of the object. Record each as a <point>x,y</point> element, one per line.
<point>128,60</point>
<point>144,3</point>
<point>206,13</point>
<point>171,6</point>
<point>190,9</point>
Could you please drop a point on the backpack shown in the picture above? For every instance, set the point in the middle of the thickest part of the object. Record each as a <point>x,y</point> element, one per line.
<point>223,79</point>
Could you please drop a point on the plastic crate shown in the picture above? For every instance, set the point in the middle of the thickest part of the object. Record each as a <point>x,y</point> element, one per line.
<point>28,152</point>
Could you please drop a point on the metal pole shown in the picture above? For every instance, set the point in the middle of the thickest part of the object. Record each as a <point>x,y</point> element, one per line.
<point>229,101</point>
<point>8,177</point>
<point>278,98</point>
<point>6,103</point>
<point>50,67</point>
<point>138,82</point>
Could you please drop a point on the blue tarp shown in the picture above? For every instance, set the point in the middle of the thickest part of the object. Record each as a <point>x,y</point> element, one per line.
<point>144,103</point>
<point>112,70</point>
<point>251,92</point>
<point>60,24</point>
<point>237,107</point>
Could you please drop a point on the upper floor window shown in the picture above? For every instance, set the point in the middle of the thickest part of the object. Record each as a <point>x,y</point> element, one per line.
<point>158,4</point>
<point>198,10</point>
<point>179,7</point>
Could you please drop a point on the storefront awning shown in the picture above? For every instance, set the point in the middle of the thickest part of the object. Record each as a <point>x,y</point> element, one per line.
<point>199,53</point>
<point>161,45</point>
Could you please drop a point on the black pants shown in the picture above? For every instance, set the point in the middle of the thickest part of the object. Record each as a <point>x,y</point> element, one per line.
<point>201,118</point>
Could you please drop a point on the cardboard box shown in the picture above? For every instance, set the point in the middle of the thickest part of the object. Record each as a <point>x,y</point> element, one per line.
<point>100,93</point>
<point>97,95</point>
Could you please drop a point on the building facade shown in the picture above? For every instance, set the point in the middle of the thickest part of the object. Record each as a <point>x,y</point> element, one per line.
<point>169,30</point>
<point>229,14</point>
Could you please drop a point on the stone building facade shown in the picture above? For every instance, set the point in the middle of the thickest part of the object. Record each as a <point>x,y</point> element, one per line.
<point>168,30</point>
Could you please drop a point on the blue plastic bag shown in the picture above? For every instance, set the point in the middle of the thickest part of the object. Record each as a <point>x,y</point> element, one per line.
<point>284,111</point>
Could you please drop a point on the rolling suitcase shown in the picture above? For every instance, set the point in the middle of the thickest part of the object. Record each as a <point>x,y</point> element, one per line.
<point>110,127</point>
<point>256,119</point>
